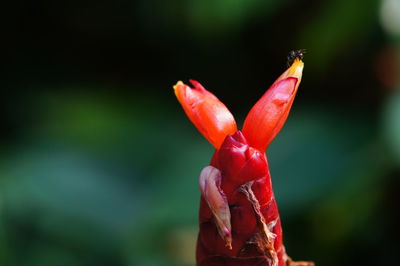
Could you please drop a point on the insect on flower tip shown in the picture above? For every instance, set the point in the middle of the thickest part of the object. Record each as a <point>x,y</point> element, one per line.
<point>295,63</point>
<point>234,226</point>
<point>295,54</point>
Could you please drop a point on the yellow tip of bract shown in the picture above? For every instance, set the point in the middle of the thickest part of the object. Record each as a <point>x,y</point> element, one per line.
<point>179,83</point>
<point>295,70</point>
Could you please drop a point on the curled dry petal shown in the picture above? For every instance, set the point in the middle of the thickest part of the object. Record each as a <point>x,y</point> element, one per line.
<point>207,113</point>
<point>210,181</point>
<point>269,114</point>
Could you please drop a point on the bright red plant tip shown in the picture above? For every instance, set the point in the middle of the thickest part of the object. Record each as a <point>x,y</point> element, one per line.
<point>238,217</point>
<point>268,115</point>
<point>207,113</point>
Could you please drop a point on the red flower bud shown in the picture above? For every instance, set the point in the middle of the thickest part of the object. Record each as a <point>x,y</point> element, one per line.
<point>239,162</point>
<point>239,219</point>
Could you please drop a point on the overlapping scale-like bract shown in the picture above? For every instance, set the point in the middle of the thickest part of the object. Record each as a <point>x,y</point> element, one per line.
<point>244,170</point>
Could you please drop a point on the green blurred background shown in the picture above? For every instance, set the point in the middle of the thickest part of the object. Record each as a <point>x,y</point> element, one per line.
<point>99,165</point>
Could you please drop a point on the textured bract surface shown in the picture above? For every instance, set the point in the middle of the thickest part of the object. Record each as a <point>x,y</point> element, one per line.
<point>256,229</point>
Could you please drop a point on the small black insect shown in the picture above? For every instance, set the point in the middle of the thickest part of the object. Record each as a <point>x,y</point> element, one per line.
<point>295,54</point>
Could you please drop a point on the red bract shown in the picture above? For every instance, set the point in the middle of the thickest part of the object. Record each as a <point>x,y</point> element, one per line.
<point>207,113</point>
<point>239,219</point>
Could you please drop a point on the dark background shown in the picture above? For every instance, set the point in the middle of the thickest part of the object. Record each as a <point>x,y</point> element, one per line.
<point>99,165</point>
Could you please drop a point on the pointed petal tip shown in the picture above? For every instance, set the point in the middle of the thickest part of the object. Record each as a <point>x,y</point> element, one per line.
<point>268,115</point>
<point>197,85</point>
<point>194,82</point>
<point>179,83</point>
<point>177,86</point>
<point>296,69</point>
